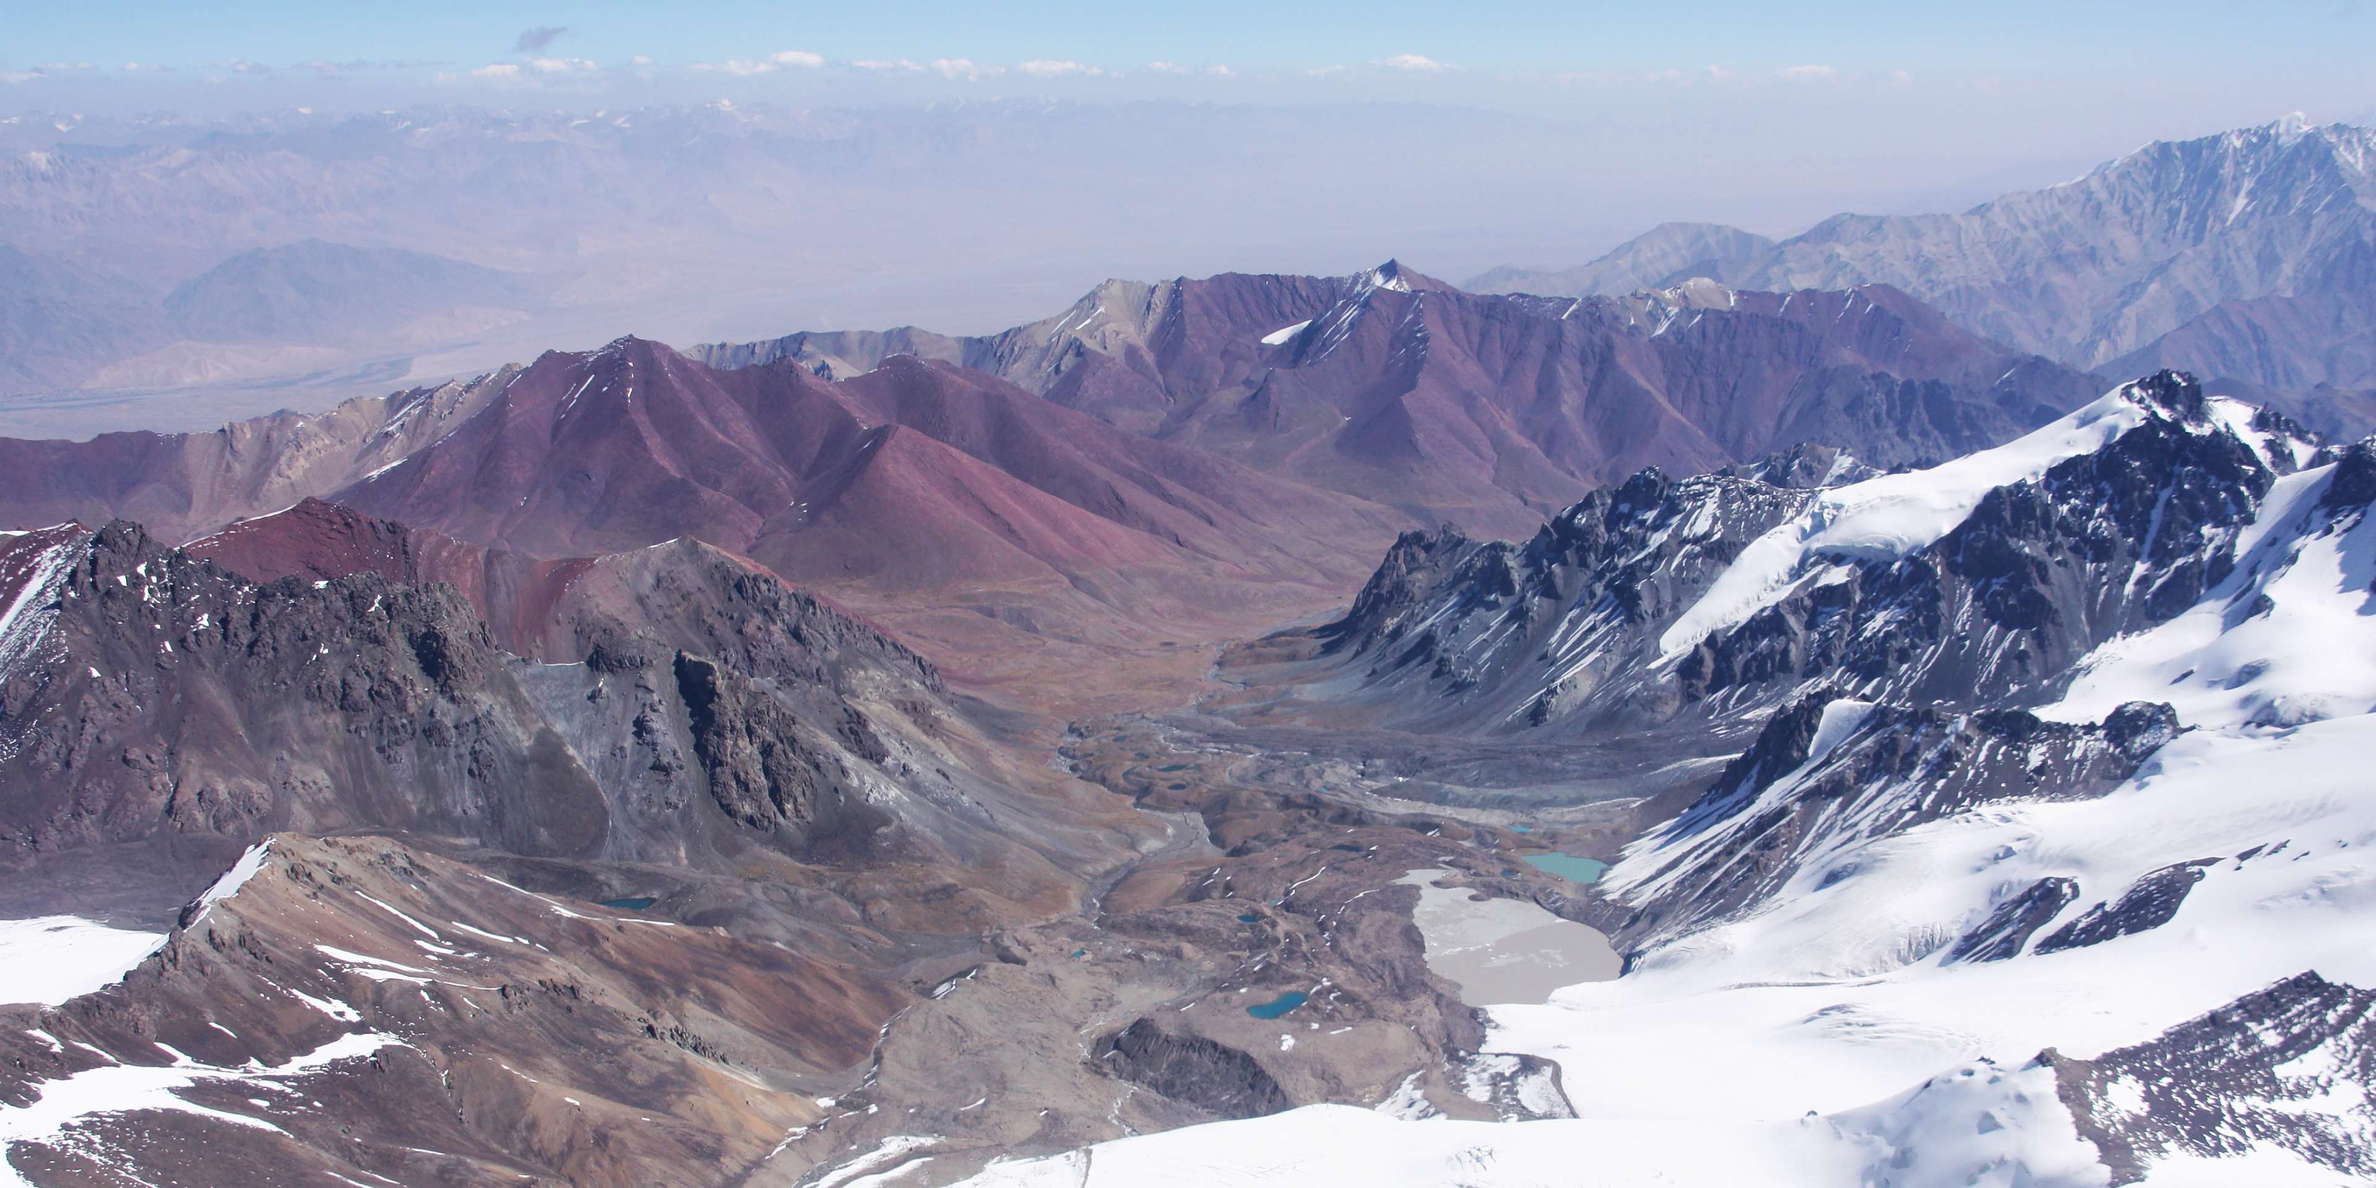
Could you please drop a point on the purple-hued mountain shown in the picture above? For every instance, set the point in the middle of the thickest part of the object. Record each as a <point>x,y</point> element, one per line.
<point>1492,410</point>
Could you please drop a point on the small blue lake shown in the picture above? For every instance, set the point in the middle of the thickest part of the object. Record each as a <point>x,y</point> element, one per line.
<point>633,904</point>
<point>1279,1006</point>
<point>1573,868</point>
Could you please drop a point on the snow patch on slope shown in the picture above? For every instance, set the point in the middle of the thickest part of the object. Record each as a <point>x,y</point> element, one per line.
<point>26,622</point>
<point>233,879</point>
<point>1892,516</point>
<point>50,959</point>
<point>114,1089</point>
<point>1280,336</point>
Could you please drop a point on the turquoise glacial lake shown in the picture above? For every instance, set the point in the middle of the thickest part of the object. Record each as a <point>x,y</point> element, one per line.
<point>1279,1006</point>
<point>1571,867</point>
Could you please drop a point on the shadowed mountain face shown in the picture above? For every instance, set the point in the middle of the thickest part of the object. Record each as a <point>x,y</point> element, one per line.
<point>1492,411</point>
<point>2249,255</point>
<point>313,291</point>
<point>682,706</point>
<point>56,315</point>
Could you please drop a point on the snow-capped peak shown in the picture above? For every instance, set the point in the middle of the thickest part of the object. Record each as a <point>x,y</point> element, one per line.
<point>1389,276</point>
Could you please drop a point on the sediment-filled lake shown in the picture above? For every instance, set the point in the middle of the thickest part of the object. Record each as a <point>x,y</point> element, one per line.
<point>1504,950</point>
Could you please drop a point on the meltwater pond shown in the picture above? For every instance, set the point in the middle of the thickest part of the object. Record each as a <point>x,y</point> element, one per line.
<point>1504,950</point>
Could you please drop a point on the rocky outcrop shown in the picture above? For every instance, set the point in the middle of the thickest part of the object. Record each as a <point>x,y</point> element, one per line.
<point>2150,902</point>
<point>1215,1078</point>
<point>154,698</point>
<point>2008,928</point>
<point>2283,1068</point>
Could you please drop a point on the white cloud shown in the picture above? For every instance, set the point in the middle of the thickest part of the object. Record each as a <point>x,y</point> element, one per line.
<point>1057,68</point>
<point>143,68</point>
<point>801,59</point>
<point>1414,63</point>
<point>560,65</point>
<point>640,60</point>
<point>1807,73</point>
<point>1177,68</point>
<point>497,70</point>
<point>963,68</point>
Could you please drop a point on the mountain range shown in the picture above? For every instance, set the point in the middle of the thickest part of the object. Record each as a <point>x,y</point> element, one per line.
<point>1491,411</point>
<point>1263,728</point>
<point>1007,529</point>
<point>2248,256</point>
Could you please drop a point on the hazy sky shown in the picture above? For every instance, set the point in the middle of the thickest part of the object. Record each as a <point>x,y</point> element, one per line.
<point>2288,53</point>
<point>1246,35</point>
<point>1886,103</point>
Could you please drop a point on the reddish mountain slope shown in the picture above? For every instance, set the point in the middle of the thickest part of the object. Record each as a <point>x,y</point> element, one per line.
<point>517,595</point>
<point>1492,410</point>
<point>983,520</point>
<point>987,522</point>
